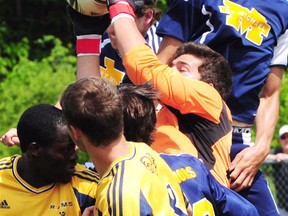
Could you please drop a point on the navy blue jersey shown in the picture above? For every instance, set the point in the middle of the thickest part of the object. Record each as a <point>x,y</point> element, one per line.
<point>244,32</point>
<point>111,66</point>
<point>203,190</point>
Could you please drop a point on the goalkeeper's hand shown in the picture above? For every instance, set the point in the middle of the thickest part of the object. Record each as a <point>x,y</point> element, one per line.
<point>88,31</point>
<point>85,25</point>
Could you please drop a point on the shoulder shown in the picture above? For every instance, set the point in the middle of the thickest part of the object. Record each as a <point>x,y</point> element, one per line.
<point>84,174</point>
<point>85,183</point>
<point>7,162</point>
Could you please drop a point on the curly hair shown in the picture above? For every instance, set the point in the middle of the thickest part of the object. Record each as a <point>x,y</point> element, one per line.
<point>150,4</point>
<point>214,69</point>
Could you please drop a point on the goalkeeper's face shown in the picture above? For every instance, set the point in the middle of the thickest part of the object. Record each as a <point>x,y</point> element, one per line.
<point>188,65</point>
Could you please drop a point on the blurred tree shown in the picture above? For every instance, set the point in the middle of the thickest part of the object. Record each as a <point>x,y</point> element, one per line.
<point>283,115</point>
<point>33,19</point>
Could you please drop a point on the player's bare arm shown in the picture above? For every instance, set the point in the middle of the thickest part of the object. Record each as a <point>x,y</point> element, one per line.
<point>247,162</point>
<point>167,49</point>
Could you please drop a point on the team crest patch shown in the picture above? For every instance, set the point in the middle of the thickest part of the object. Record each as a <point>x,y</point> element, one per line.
<point>149,163</point>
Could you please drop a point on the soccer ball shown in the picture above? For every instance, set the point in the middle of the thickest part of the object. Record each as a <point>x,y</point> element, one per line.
<point>89,7</point>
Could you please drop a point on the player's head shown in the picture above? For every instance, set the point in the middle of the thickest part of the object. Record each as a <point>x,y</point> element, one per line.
<point>150,11</point>
<point>283,137</point>
<point>138,111</point>
<point>92,106</point>
<point>198,61</point>
<point>144,20</point>
<point>45,142</point>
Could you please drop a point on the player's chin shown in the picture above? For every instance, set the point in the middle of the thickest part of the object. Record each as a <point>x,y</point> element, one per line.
<point>66,178</point>
<point>67,175</point>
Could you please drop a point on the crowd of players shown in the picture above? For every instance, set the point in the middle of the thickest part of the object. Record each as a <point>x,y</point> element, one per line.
<point>196,133</point>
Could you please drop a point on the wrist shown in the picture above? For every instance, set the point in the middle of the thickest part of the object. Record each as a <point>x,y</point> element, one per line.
<point>121,7</point>
<point>121,15</point>
<point>88,44</point>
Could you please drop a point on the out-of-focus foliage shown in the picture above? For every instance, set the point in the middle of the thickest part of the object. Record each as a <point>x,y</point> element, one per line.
<point>283,115</point>
<point>33,19</point>
<point>34,81</point>
<point>25,82</point>
<point>163,5</point>
<point>283,112</point>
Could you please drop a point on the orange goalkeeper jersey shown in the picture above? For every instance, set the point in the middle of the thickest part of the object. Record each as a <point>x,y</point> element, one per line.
<point>194,120</point>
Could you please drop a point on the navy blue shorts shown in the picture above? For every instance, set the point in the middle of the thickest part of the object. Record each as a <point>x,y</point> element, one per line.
<point>259,193</point>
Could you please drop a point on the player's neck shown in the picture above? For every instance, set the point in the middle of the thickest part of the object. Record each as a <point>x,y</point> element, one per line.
<point>103,156</point>
<point>29,174</point>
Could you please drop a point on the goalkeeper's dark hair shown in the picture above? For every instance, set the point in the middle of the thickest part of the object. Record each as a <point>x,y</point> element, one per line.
<point>214,68</point>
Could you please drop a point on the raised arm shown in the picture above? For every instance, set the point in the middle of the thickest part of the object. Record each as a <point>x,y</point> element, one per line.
<point>88,31</point>
<point>126,41</point>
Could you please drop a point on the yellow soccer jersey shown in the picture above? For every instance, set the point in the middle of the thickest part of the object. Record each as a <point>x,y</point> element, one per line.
<point>17,197</point>
<point>140,183</point>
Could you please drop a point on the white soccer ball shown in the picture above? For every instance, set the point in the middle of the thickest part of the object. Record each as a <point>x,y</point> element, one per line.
<point>89,7</point>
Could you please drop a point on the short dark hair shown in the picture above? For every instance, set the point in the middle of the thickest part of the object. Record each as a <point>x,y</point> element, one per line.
<point>138,111</point>
<point>214,69</point>
<point>39,124</point>
<point>150,4</point>
<point>93,106</point>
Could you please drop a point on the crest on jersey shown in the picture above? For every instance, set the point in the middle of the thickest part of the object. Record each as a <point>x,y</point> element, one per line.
<point>149,163</point>
<point>250,23</point>
<point>110,73</point>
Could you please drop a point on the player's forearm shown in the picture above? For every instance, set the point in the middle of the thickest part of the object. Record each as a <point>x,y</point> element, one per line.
<point>268,111</point>
<point>88,66</point>
<point>167,49</point>
<point>266,120</point>
<point>127,35</point>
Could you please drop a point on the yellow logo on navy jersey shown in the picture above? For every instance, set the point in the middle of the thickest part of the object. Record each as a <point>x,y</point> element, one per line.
<point>246,21</point>
<point>110,73</point>
<point>203,207</point>
<point>184,174</point>
<point>149,163</point>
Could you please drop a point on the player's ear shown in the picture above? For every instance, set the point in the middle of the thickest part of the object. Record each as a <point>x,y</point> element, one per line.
<point>34,148</point>
<point>149,15</point>
<point>75,132</point>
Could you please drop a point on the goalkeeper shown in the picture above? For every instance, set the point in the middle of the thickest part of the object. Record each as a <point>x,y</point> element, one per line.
<point>192,92</point>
